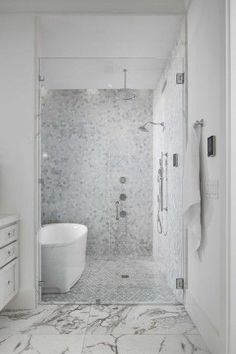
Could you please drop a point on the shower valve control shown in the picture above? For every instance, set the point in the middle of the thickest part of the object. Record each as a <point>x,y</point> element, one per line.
<point>123,196</point>
<point>123,214</point>
<point>122,180</point>
<point>179,283</point>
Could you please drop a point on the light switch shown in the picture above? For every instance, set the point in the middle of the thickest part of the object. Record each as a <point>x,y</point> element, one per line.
<point>211,146</point>
<point>175,160</point>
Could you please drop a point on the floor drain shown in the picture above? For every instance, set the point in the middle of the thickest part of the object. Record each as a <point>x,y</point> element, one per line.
<point>125,276</point>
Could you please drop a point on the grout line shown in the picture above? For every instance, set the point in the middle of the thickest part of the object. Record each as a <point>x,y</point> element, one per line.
<point>85,333</point>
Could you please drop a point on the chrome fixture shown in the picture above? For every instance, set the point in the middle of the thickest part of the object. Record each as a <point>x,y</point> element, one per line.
<point>144,129</point>
<point>198,123</point>
<point>117,209</point>
<point>180,78</point>
<point>175,160</point>
<point>125,276</point>
<point>123,214</point>
<point>162,197</point>
<point>160,201</point>
<point>125,94</point>
<point>122,180</point>
<point>180,283</point>
<point>123,196</point>
<point>160,180</point>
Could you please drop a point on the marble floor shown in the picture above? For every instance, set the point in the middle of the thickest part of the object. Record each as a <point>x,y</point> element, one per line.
<point>93,329</point>
<point>107,281</point>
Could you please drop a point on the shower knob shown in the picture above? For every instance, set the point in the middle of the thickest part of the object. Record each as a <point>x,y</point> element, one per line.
<point>122,180</point>
<point>123,214</point>
<point>123,196</point>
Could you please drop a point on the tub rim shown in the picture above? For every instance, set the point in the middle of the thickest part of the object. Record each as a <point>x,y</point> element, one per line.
<point>66,243</point>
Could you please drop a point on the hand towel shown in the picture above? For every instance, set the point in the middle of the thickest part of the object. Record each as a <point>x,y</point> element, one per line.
<point>192,188</point>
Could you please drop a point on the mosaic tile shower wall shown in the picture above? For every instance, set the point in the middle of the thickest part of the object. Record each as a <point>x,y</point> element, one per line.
<point>89,140</point>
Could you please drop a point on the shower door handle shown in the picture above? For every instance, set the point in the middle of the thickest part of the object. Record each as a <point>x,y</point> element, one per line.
<point>117,210</point>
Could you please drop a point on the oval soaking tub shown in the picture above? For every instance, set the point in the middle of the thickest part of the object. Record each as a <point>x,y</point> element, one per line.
<point>63,253</point>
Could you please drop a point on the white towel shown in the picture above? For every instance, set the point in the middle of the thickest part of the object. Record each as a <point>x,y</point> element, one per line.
<point>192,188</point>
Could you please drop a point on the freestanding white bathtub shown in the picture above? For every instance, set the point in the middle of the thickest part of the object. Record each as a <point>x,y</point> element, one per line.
<point>63,253</point>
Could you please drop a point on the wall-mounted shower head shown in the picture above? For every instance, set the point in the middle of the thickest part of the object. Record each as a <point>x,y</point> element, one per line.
<point>144,129</point>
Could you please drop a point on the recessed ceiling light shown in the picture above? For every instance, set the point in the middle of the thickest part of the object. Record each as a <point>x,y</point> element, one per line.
<point>109,86</point>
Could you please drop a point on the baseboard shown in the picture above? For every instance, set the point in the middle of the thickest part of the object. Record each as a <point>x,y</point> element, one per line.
<point>24,300</point>
<point>207,330</point>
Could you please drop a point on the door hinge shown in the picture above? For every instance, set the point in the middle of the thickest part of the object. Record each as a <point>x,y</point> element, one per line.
<point>180,283</point>
<point>180,78</point>
<point>41,283</point>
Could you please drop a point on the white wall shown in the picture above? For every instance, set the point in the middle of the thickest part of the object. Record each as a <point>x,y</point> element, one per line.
<point>106,36</point>
<point>232,185</point>
<point>205,298</point>
<point>17,101</point>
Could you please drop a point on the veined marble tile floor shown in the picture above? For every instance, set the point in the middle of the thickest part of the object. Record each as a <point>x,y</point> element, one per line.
<point>102,279</point>
<point>73,329</point>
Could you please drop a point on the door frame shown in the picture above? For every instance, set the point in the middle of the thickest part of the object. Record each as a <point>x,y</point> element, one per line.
<point>230,177</point>
<point>38,162</point>
<point>230,347</point>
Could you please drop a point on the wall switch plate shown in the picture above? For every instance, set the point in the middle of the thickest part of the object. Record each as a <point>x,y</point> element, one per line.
<point>211,146</point>
<point>175,160</point>
<point>212,189</point>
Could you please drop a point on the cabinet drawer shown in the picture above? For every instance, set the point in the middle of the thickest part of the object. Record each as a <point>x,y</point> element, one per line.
<point>8,235</point>
<point>8,282</point>
<point>8,253</point>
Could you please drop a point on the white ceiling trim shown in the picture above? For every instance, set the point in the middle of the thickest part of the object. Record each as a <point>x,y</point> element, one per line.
<point>94,6</point>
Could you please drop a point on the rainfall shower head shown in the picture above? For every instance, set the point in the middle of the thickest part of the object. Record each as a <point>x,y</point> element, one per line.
<point>125,94</point>
<point>144,129</point>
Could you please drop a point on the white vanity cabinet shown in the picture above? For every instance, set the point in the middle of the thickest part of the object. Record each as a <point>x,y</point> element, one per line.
<point>9,274</point>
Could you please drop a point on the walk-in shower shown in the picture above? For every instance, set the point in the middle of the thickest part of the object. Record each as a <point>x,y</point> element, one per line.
<point>99,170</point>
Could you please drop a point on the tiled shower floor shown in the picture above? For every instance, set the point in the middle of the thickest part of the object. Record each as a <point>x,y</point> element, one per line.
<point>119,281</point>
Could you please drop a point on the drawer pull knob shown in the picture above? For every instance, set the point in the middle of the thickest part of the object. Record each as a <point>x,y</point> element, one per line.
<point>9,253</point>
<point>9,282</point>
<point>9,234</point>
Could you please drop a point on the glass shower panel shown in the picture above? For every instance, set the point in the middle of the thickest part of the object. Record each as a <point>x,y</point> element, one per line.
<point>97,170</point>
<point>170,101</point>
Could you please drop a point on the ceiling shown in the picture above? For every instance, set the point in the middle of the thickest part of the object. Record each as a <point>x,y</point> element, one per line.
<point>90,51</point>
<point>96,6</point>
<point>108,36</point>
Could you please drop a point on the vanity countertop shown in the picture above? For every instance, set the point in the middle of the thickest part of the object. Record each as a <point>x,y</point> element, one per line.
<point>7,219</point>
